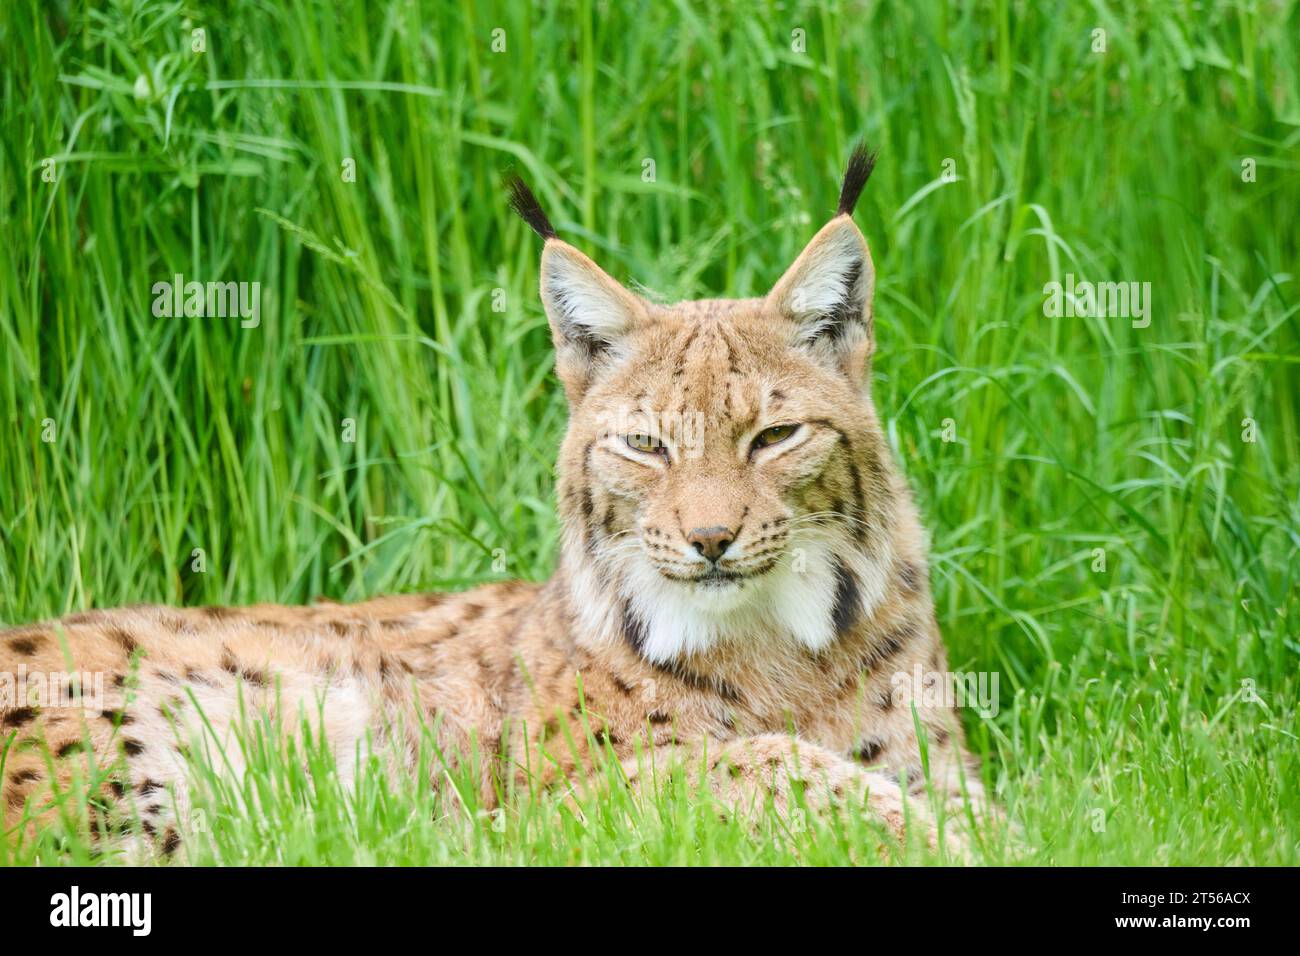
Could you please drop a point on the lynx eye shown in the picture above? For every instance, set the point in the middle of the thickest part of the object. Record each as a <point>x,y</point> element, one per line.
<point>647,444</point>
<point>774,435</point>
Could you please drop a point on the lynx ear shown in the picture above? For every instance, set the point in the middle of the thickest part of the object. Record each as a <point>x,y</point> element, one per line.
<point>827,292</point>
<point>590,313</point>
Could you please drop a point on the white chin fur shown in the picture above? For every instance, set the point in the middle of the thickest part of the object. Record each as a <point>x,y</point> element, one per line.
<point>794,602</point>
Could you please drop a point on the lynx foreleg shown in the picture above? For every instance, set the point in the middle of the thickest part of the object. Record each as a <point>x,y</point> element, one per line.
<point>748,773</point>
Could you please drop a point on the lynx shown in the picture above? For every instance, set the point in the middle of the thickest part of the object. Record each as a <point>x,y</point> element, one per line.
<point>742,574</point>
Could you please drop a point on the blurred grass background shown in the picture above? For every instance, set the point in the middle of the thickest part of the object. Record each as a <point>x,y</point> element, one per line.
<point>1148,710</point>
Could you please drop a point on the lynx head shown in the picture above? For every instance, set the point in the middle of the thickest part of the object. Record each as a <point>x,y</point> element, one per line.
<point>724,477</point>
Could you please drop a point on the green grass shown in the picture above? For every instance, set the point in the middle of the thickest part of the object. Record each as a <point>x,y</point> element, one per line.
<point>1126,733</point>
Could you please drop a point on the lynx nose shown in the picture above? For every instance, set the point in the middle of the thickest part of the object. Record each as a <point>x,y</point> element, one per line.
<point>711,542</point>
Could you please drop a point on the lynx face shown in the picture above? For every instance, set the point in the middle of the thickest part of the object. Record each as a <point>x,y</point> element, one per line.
<point>714,436</point>
<point>723,475</point>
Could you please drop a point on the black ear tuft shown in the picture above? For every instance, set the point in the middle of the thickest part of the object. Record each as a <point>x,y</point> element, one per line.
<point>861,163</point>
<point>527,208</point>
